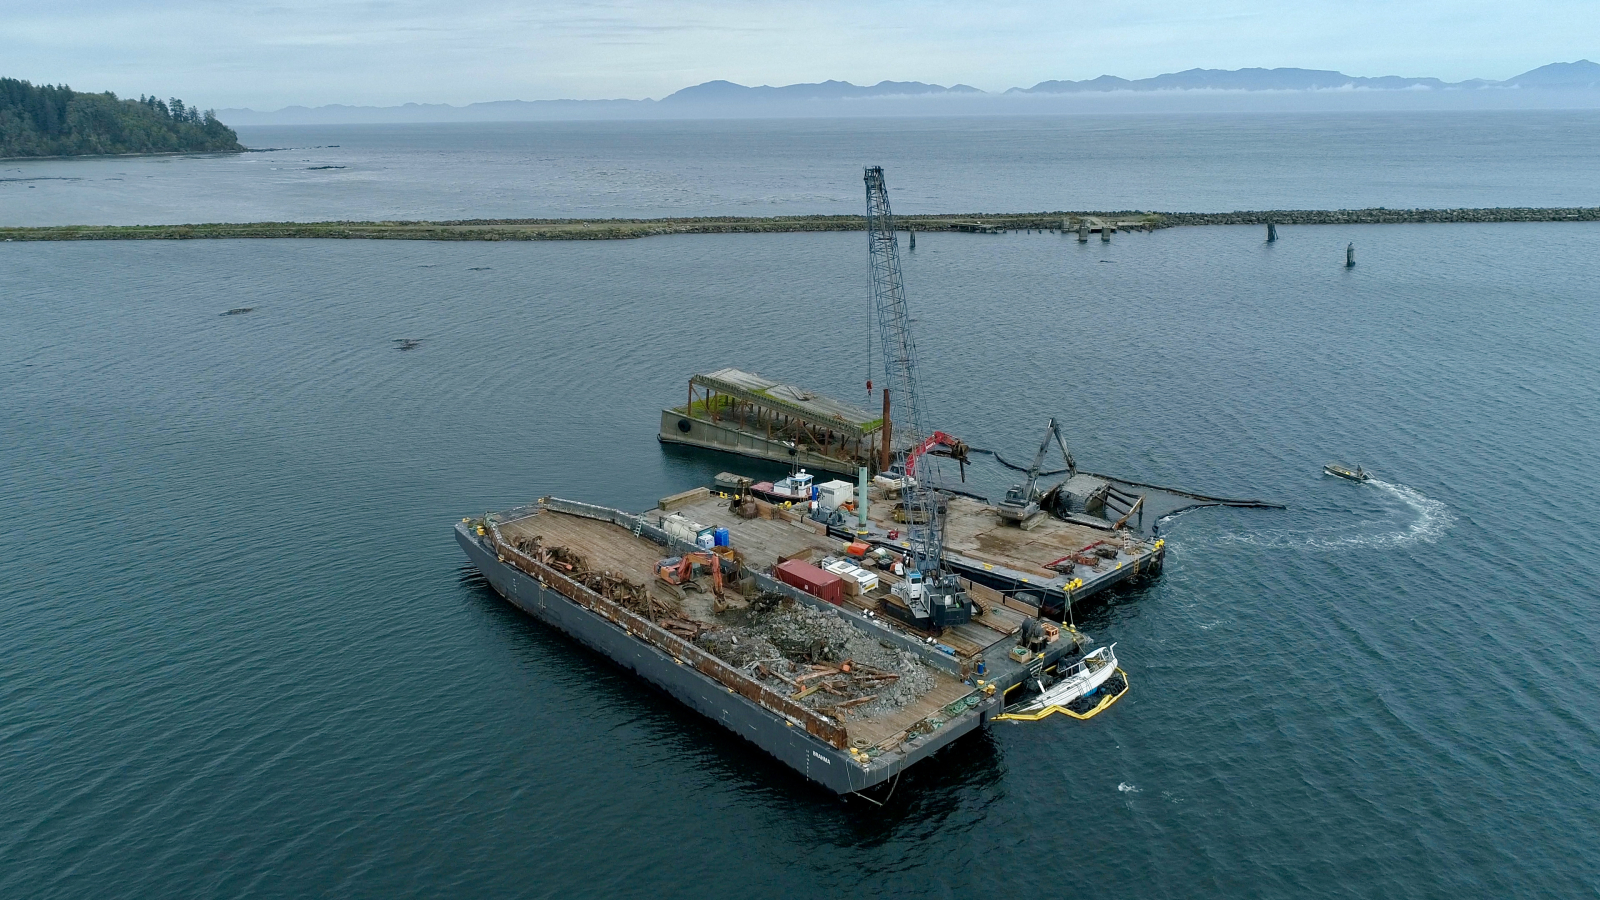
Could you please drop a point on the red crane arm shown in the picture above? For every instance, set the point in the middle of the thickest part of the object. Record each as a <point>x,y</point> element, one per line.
<point>958,449</point>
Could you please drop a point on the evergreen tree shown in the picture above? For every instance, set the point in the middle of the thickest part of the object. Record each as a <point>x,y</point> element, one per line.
<point>46,120</point>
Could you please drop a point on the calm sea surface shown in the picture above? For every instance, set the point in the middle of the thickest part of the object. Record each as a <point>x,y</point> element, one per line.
<point>243,655</point>
<point>1203,163</point>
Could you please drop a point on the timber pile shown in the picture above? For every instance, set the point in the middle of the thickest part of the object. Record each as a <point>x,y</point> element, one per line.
<point>627,593</point>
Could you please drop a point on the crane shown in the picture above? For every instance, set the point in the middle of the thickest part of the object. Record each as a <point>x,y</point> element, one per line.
<point>1022,501</point>
<point>932,594</point>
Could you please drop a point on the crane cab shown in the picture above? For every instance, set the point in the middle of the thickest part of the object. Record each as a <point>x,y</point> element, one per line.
<point>910,589</point>
<point>931,604</point>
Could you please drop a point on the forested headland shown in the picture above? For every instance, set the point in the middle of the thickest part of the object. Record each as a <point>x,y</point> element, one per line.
<point>45,120</point>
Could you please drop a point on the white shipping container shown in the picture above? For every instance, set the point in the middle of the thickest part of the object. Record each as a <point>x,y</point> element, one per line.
<point>867,580</point>
<point>835,494</point>
<point>856,579</point>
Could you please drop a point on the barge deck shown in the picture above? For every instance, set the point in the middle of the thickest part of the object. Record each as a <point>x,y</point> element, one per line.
<point>590,571</point>
<point>1050,565</point>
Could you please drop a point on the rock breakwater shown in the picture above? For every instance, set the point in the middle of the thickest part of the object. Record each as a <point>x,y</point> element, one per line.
<point>622,229</point>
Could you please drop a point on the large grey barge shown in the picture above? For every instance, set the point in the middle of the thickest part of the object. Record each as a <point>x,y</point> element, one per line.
<point>558,560</point>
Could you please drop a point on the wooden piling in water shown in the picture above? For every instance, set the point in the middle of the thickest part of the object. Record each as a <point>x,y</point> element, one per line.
<point>1350,256</point>
<point>1272,233</point>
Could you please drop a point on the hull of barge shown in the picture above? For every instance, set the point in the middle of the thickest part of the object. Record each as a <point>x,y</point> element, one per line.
<point>817,760</point>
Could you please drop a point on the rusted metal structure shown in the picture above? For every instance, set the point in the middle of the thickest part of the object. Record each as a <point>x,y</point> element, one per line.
<point>741,412</point>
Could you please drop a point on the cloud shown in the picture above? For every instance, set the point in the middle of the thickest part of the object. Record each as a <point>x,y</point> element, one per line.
<point>393,51</point>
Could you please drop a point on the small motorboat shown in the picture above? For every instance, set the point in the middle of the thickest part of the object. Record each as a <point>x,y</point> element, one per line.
<point>797,488</point>
<point>1338,471</point>
<point>1081,690</point>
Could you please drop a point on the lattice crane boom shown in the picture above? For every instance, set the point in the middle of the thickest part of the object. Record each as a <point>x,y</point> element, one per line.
<point>939,599</point>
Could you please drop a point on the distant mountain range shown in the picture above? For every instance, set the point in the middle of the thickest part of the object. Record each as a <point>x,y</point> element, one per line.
<point>725,98</point>
<point>728,92</point>
<point>1580,74</point>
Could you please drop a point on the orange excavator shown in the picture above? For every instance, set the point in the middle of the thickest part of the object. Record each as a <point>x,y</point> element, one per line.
<point>679,570</point>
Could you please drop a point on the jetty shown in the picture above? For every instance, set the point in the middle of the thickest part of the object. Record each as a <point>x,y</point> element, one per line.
<point>622,229</point>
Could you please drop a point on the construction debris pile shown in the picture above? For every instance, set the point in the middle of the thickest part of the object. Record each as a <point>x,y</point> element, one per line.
<point>814,656</point>
<point>628,594</point>
<point>819,659</point>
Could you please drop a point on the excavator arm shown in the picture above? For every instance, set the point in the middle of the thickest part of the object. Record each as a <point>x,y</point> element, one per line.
<point>958,450</point>
<point>681,571</point>
<point>1052,431</point>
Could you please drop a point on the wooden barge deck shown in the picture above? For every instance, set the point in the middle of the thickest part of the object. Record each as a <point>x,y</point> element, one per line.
<point>842,746</point>
<point>615,549</point>
<point>1014,563</point>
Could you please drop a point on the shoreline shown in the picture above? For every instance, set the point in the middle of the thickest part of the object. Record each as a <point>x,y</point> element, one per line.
<point>126,155</point>
<point>623,229</point>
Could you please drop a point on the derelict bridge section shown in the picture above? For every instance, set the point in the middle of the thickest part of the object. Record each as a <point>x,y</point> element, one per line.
<point>744,413</point>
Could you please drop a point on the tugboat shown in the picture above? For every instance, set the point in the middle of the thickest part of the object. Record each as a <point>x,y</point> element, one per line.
<point>1338,471</point>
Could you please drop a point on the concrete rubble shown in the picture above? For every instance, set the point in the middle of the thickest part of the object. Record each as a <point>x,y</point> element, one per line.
<point>818,658</point>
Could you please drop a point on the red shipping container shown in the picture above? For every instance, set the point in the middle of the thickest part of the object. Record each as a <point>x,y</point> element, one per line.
<point>812,580</point>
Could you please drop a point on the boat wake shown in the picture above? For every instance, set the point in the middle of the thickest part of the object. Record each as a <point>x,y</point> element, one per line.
<point>1413,518</point>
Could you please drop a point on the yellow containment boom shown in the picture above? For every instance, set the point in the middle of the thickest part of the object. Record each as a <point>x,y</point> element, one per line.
<point>1046,712</point>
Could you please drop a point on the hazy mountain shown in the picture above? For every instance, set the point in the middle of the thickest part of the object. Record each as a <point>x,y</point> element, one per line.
<point>1554,85</point>
<point>727,91</point>
<point>1582,73</point>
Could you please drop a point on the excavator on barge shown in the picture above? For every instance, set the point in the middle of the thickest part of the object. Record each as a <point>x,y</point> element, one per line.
<point>1021,504</point>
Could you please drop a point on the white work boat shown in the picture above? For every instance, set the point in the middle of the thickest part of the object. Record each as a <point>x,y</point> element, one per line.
<point>1345,472</point>
<point>1079,680</point>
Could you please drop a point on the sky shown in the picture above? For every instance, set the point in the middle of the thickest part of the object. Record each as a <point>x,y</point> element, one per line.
<point>267,54</point>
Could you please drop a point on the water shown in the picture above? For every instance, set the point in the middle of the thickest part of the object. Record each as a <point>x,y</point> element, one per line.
<point>243,656</point>
<point>1206,163</point>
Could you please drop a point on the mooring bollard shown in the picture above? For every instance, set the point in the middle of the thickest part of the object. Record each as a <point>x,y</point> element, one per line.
<point>1350,256</point>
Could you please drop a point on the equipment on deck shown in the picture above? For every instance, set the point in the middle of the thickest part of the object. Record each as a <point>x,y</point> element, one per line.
<point>1022,501</point>
<point>679,570</point>
<point>955,447</point>
<point>930,596</point>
